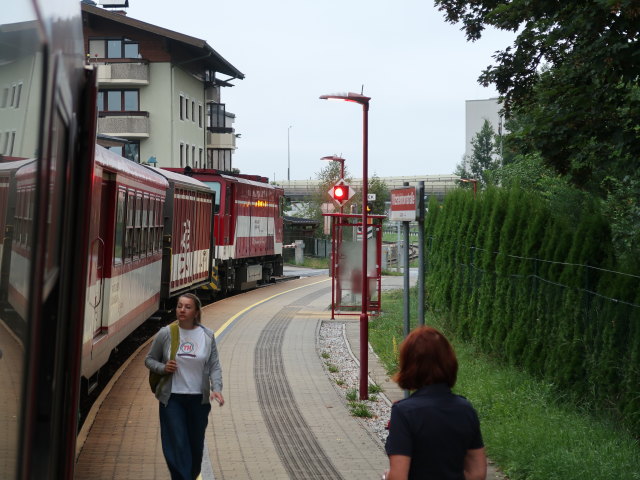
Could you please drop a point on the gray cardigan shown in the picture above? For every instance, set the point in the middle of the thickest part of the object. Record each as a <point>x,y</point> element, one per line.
<point>157,358</point>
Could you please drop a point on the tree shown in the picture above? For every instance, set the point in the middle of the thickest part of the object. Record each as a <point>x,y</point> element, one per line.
<point>599,34</point>
<point>484,157</point>
<point>377,186</point>
<point>572,70</point>
<point>327,177</point>
<point>570,93</point>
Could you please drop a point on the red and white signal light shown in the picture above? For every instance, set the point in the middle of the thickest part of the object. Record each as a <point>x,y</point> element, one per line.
<point>341,192</point>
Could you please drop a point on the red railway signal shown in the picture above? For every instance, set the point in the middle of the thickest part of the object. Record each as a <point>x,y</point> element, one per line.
<point>341,192</point>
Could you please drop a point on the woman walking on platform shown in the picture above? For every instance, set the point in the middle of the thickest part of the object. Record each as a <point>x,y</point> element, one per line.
<point>190,382</point>
<point>433,433</point>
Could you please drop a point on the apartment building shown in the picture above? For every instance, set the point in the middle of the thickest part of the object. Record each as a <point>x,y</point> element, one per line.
<point>161,91</point>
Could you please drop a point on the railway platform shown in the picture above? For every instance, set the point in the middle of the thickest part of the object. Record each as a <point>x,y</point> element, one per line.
<point>282,418</point>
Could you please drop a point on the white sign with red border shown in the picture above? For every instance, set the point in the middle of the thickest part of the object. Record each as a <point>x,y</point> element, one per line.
<point>403,204</point>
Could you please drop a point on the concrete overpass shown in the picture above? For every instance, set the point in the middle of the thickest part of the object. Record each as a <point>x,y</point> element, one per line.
<point>438,185</point>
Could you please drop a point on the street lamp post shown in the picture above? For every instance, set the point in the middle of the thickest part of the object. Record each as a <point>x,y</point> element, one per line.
<point>474,182</point>
<point>288,155</point>
<point>364,314</point>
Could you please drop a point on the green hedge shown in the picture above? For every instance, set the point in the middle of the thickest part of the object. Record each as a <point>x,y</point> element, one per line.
<point>539,290</point>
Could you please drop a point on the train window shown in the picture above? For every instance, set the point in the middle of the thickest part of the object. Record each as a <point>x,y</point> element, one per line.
<point>137,246</point>
<point>128,237</point>
<point>159,223</point>
<point>119,235</point>
<point>145,225</point>
<point>215,186</point>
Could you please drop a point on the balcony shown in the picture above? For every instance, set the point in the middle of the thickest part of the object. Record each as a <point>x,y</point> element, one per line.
<point>221,140</point>
<point>124,124</point>
<point>122,73</point>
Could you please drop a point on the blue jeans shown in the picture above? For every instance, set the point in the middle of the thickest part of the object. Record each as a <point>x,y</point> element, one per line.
<point>182,425</point>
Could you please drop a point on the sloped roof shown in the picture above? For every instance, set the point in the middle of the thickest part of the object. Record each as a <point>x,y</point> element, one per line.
<point>213,58</point>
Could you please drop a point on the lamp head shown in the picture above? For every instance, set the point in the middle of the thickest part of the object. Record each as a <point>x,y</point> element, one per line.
<point>347,97</point>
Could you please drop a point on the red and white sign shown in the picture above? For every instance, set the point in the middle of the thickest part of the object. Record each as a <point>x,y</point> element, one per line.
<point>403,204</point>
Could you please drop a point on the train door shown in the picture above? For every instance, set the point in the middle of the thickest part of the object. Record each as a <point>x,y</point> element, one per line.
<point>99,257</point>
<point>227,214</point>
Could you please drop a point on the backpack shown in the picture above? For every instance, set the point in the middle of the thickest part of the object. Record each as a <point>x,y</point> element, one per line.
<point>155,379</point>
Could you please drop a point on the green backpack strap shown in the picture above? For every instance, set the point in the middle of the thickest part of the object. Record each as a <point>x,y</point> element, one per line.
<point>156,379</point>
<point>175,338</point>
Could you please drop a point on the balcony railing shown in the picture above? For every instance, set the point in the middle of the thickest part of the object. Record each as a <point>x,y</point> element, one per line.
<point>221,140</point>
<point>124,124</point>
<point>122,72</point>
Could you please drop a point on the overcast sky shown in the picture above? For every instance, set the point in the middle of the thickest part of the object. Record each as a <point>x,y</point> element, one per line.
<point>417,69</point>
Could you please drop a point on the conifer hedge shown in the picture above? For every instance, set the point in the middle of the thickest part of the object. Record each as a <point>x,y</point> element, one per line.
<point>539,290</point>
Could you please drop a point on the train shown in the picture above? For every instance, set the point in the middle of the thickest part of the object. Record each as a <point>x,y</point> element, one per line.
<point>94,244</point>
<point>156,233</point>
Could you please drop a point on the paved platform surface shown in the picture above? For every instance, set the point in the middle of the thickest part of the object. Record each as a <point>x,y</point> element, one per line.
<point>282,419</point>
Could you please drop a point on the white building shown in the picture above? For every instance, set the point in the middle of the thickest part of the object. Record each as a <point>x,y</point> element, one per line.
<point>476,112</point>
<point>160,90</point>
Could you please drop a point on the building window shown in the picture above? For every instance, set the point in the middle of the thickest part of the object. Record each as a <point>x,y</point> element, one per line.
<point>219,159</point>
<point>13,95</point>
<point>200,159</point>
<point>216,115</point>
<point>186,108</point>
<point>5,97</point>
<point>186,155</point>
<point>193,155</point>
<point>200,116</point>
<point>130,150</point>
<point>181,107</point>
<point>12,139</point>
<point>181,155</point>
<point>118,101</point>
<point>16,102</point>
<point>113,48</point>
<point>193,111</point>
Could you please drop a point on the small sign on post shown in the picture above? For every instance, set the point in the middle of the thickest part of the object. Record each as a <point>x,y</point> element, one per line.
<point>403,204</point>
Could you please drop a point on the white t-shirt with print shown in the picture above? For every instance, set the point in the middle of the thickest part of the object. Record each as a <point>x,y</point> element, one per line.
<point>190,357</point>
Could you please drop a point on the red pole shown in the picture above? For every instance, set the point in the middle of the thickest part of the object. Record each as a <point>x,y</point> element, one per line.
<point>364,318</point>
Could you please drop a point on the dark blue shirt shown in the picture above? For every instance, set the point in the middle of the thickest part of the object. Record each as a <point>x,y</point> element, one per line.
<point>435,428</point>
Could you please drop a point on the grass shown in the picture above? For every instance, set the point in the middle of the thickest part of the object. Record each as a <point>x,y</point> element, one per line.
<point>313,262</point>
<point>352,395</point>
<point>529,430</point>
<point>332,368</point>
<point>375,388</point>
<point>359,409</point>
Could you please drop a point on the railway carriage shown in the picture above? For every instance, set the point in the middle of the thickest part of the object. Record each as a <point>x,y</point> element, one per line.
<point>125,254</point>
<point>248,230</point>
<point>188,234</point>
<point>150,240</point>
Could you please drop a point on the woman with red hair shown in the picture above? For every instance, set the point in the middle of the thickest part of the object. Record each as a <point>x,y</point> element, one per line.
<point>433,434</point>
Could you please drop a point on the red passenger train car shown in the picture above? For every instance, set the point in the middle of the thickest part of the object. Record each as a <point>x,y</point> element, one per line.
<point>150,238</point>
<point>188,234</point>
<point>248,229</point>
